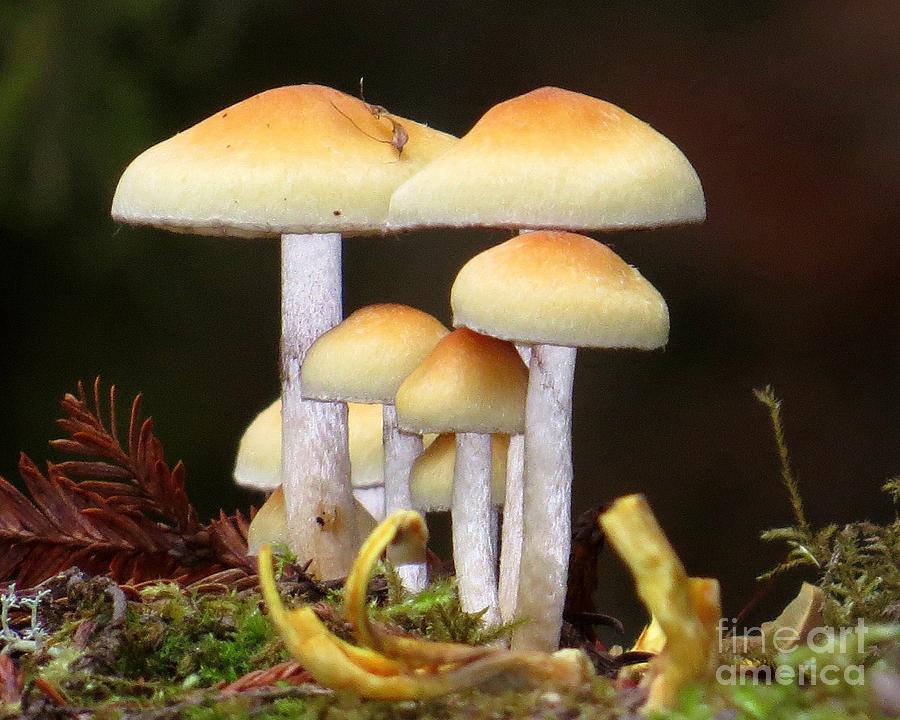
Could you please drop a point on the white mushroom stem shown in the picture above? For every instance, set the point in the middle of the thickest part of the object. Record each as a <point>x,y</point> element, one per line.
<point>547,498</point>
<point>315,458</point>
<point>470,512</point>
<point>511,539</point>
<point>400,451</point>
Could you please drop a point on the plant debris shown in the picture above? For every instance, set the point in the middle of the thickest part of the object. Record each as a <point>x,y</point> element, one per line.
<point>116,510</point>
<point>388,666</point>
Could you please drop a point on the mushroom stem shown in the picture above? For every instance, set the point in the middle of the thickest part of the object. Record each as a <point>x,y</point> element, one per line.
<point>546,506</point>
<point>315,458</point>
<point>511,537</point>
<point>470,512</point>
<point>400,451</point>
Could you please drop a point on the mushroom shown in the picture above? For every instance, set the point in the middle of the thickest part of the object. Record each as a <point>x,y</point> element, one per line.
<point>269,525</point>
<point>364,359</point>
<point>258,462</point>
<point>308,164</point>
<point>431,478</point>
<point>550,159</point>
<point>553,159</point>
<point>475,386</point>
<point>557,291</point>
<point>258,466</point>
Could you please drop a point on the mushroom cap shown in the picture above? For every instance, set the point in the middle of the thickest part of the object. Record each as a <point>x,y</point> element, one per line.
<point>367,356</point>
<point>553,158</point>
<point>559,288</point>
<point>258,463</point>
<point>468,383</point>
<point>296,159</point>
<point>431,477</point>
<point>269,525</point>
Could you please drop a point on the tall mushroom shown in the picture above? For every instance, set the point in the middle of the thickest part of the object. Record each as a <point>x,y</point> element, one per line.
<point>550,159</point>
<point>475,386</point>
<point>308,164</point>
<point>364,359</point>
<point>557,291</point>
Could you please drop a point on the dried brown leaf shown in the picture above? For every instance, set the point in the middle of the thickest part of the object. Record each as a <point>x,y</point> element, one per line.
<point>110,509</point>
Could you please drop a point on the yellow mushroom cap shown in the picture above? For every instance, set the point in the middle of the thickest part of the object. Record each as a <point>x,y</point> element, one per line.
<point>297,159</point>
<point>554,159</point>
<point>269,525</point>
<point>468,383</point>
<point>258,463</point>
<point>559,288</point>
<point>369,354</point>
<point>431,477</point>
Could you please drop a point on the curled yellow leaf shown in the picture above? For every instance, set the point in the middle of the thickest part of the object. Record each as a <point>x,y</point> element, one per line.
<point>390,667</point>
<point>404,530</point>
<point>685,610</point>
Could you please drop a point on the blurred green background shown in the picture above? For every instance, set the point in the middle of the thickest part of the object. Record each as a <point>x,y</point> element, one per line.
<point>788,110</point>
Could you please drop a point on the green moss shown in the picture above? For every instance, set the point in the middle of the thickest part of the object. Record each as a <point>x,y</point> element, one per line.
<point>840,692</point>
<point>170,642</point>
<point>435,613</point>
<point>178,637</point>
<point>173,647</point>
<point>857,565</point>
<point>593,702</point>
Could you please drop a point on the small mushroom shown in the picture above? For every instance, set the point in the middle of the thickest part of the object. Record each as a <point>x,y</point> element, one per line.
<point>364,360</point>
<point>557,291</point>
<point>258,462</point>
<point>307,164</point>
<point>474,386</point>
<point>269,525</point>
<point>258,466</point>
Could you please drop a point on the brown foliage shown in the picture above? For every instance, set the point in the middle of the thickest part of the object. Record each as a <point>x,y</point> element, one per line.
<point>11,681</point>
<point>111,509</point>
<point>290,672</point>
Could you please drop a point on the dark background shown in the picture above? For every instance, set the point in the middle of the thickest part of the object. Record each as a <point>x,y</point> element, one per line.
<point>788,110</point>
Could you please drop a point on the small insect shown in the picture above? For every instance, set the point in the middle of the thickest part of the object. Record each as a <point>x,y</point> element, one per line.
<point>399,136</point>
<point>326,518</point>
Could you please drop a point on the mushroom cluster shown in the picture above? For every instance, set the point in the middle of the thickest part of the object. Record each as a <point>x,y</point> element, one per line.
<point>312,165</point>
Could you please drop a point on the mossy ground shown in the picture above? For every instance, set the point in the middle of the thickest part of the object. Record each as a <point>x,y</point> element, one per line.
<point>171,651</point>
